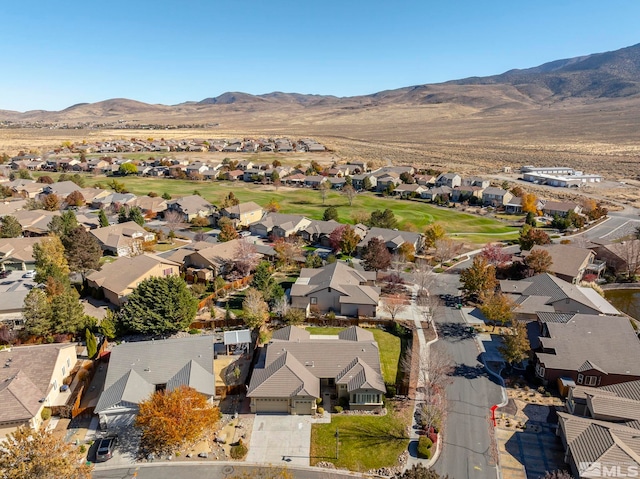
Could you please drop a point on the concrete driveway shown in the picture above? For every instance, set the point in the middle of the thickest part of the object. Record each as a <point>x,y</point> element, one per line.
<point>280,439</point>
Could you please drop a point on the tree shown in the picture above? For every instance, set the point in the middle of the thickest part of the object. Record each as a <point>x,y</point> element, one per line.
<point>445,249</point>
<point>75,198</point>
<point>423,276</point>
<point>312,260</point>
<point>335,238</point>
<point>247,257</point>
<point>529,237</point>
<point>324,188</point>
<point>227,230</point>
<point>46,180</point>
<point>383,219</point>
<point>174,220</point>
<point>10,227</point>
<point>497,307</point>
<point>349,241</point>
<point>51,202</point>
<point>407,252</point>
<point>254,309</point>
<point>529,203</point>
<point>82,250</point>
<point>394,305</point>
<point>433,233</point>
<point>350,193</point>
<point>538,261</point>
<point>143,313</point>
<point>419,472</point>
<point>376,256</point>
<point>516,345</point>
<point>273,206</point>
<point>263,280</point>
<point>406,178</point>
<point>478,278</point>
<point>108,324</point>
<point>50,260</point>
<point>64,224</point>
<point>287,250</point>
<point>230,200</point>
<point>166,196</point>
<point>29,454</point>
<point>102,216</point>
<point>37,313</point>
<point>135,215</point>
<point>494,254</point>
<point>67,313</point>
<point>200,222</point>
<point>170,419</point>
<point>127,169</point>
<point>331,213</point>
<point>366,183</point>
<point>92,343</point>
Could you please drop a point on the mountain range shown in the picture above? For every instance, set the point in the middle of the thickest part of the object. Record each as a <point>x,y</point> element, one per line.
<point>584,80</point>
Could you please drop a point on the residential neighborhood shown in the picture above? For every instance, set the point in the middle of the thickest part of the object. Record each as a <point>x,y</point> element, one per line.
<point>111,300</point>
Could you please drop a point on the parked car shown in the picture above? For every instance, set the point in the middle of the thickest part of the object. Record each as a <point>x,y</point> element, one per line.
<point>4,274</point>
<point>29,274</point>
<point>106,446</point>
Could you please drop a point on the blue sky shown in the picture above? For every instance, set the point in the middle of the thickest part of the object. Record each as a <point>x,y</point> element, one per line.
<point>56,54</point>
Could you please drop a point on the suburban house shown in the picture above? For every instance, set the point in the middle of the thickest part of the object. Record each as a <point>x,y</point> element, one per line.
<point>391,179</point>
<point>61,189</point>
<point>597,402</point>
<point>243,214</point>
<point>591,350</point>
<point>438,193</point>
<point>17,254</point>
<point>318,232</point>
<point>314,181</point>
<point>336,287</point>
<point>449,179</point>
<point>150,206</point>
<point>408,191</point>
<point>218,259</point>
<point>191,207</point>
<point>545,293</point>
<point>122,239</point>
<point>35,222</point>
<point>560,208</point>
<point>357,181</point>
<point>466,192</point>
<point>475,181</point>
<point>496,197</point>
<point>297,369</point>
<point>31,380</point>
<point>393,239</point>
<point>139,369</point>
<point>570,263</point>
<point>113,200</point>
<point>118,279</point>
<point>621,257</point>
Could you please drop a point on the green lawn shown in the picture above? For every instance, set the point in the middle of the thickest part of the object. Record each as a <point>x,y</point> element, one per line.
<point>366,442</point>
<point>389,345</point>
<point>411,215</point>
<point>160,247</point>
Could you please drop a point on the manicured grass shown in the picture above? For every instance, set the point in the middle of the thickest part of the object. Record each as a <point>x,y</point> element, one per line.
<point>389,345</point>
<point>366,442</point>
<point>411,215</point>
<point>160,247</point>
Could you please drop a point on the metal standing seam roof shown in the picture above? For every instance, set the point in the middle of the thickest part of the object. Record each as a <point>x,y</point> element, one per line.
<point>284,377</point>
<point>359,375</point>
<point>608,405</point>
<point>237,337</point>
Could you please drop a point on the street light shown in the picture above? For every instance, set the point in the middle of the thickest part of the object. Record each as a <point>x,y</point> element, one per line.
<point>337,435</point>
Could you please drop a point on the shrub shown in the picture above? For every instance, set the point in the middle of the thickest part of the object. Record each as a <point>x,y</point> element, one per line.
<point>344,402</point>
<point>338,409</point>
<point>320,410</point>
<point>45,414</point>
<point>239,450</point>
<point>391,390</point>
<point>541,390</point>
<point>83,448</point>
<point>433,437</point>
<point>194,331</point>
<point>199,289</point>
<point>424,447</point>
<point>330,316</point>
<point>318,401</point>
<point>547,394</point>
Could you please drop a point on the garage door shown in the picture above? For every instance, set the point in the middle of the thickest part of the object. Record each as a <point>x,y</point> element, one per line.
<point>302,406</point>
<point>272,405</point>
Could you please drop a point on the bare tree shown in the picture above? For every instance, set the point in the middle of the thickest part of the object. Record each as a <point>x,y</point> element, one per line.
<point>281,306</point>
<point>324,188</point>
<point>174,220</point>
<point>350,193</point>
<point>246,257</point>
<point>446,248</point>
<point>630,254</point>
<point>423,275</point>
<point>394,305</point>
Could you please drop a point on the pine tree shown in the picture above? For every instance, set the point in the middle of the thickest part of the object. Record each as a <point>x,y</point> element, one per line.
<point>104,221</point>
<point>92,343</point>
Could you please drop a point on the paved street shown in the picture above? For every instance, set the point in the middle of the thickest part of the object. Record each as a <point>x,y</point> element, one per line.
<point>467,448</point>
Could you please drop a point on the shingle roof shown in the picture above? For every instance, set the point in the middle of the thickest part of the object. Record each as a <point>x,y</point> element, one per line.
<point>356,333</point>
<point>136,368</point>
<point>284,377</point>
<point>567,260</point>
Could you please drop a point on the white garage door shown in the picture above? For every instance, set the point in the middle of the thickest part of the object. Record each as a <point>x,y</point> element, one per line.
<point>272,405</point>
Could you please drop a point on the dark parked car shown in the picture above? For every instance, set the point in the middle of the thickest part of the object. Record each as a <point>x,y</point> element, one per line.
<point>105,448</point>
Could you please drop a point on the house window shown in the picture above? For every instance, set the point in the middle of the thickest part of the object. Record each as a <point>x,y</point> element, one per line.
<point>55,384</point>
<point>68,362</point>
<point>591,380</point>
<point>64,370</point>
<point>540,370</point>
<point>167,272</point>
<point>580,378</point>
<point>314,300</point>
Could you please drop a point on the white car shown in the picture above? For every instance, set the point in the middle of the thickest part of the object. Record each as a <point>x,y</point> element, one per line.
<point>29,274</point>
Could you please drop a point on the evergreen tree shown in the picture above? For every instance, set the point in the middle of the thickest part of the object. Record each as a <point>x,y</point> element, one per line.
<point>104,221</point>
<point>37,313</point>
<point>383,219</point>
<point>92,343</point>
<point>67,314</point>
<point>82,250</point>
<point>376,256</point>
<point>64,224</point>
<point>145,313</point>
<point>331,213</point>
<point>10,227</point>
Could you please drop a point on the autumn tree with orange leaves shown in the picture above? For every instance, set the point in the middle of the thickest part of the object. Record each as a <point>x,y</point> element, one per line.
<point>172,419</point>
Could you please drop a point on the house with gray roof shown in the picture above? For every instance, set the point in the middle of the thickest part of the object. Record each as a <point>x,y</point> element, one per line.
<point>570,263</point>
<point>137,370</point>
<point>122,239</point>
<point>591,350</point>
<point>545,293</point>
<point>336,287</point>
<point>243,214</point>
<point>449,179</point>
<point>298,368</point>
<point>496,197</point>
<point>393,239</point>
<point>191,207</point>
